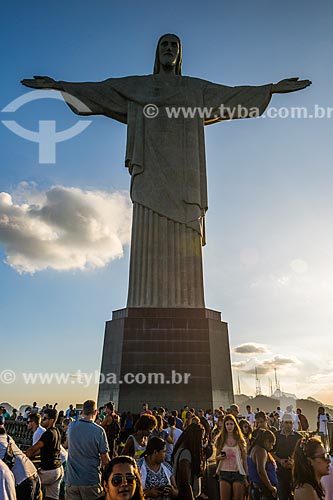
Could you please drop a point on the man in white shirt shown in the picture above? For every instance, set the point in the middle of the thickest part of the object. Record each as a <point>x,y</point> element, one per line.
<point>33,422</point>
<point>7,483</point>
<point>322,420</point>
<point>250,416</point>
<point>297,424</point>
<point>279,412</point>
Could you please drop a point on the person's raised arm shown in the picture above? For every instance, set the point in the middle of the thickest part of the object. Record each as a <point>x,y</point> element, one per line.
<point>42,82</point>
<point>289,85</point>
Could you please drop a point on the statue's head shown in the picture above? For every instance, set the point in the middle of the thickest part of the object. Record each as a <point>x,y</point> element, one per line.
<point>168,53</point>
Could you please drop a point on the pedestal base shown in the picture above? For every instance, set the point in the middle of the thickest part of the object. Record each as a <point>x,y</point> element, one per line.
<point>166,357</point>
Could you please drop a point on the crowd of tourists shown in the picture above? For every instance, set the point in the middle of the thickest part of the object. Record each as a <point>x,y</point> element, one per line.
<point>164,455</point>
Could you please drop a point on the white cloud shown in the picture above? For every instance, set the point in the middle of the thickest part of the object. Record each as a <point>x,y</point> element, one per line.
<point>267,365</point>
<point>63,228</point>
<point>322,379</point>
<point>251,348</point>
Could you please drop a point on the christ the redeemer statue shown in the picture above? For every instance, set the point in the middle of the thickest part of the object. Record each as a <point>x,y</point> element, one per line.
<point>166,160</point>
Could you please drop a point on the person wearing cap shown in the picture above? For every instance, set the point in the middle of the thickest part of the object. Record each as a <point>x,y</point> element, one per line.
<point>286,441</point>
<point>296,420</point>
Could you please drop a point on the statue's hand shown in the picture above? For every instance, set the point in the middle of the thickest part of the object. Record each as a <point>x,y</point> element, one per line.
<point>289,85</point>
<point>41,82</point>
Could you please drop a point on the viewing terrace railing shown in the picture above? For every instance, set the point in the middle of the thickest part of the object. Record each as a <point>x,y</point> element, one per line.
<point>20,433</point>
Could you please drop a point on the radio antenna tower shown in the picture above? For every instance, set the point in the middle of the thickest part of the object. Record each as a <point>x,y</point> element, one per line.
<point>258,384</point>
<point>238,386</point>
<point>277,384</point>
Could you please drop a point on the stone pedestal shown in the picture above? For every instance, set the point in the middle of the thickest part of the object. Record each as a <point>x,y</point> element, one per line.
<point>166,357</point>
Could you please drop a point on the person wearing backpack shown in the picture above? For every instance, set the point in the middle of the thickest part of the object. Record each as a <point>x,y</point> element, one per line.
<point>322,428</point>
<point>111,425</point>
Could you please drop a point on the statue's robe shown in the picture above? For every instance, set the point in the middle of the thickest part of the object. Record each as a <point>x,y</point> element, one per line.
<point>166,160</point>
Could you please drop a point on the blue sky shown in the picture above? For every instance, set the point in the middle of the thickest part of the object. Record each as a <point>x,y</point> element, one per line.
<point>268,260</point>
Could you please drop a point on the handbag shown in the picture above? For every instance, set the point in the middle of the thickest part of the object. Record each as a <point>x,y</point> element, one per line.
<point>9,458</point>
<point>261,493</point>
<point>208,451</point>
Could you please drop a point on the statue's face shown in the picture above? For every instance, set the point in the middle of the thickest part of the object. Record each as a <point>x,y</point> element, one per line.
<point>168,50</point>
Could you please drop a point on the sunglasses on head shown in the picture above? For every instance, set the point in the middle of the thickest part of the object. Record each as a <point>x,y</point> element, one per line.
<point>118,479</point>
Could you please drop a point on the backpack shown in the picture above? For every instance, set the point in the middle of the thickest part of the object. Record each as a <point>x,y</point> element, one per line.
<point>9,458</point>
<point>112,430</point>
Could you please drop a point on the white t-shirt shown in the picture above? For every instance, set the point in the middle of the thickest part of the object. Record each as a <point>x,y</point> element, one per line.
<point>7,483</point>
<point>251,418</point>
<point>280,412</point>
<point>63,454</point>
<point>37,434</point>
<point>27,413</point>
<point>169,446</point>
<point>323,423</point>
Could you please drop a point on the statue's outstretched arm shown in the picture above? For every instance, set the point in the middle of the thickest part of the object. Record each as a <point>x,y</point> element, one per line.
<point>42,82</point>
<point>289,85</point>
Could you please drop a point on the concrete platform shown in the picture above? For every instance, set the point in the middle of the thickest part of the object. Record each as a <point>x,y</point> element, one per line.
<point>166,357</point>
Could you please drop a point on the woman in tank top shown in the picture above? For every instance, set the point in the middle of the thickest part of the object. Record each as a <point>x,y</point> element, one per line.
<point>136,443</point>
<point>231,460</point>
<point>262,467</point>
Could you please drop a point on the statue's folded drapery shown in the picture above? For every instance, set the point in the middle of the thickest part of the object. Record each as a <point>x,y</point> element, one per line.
<point>166,160</point>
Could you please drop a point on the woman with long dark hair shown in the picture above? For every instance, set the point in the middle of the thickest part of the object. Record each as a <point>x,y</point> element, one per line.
<point>245,427</point>
<point>121,480</point>
<point>262,467</point>
<point>231,459</point>
<point>160,432</point>
<point>188,461</point>
<point>311,463</point>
